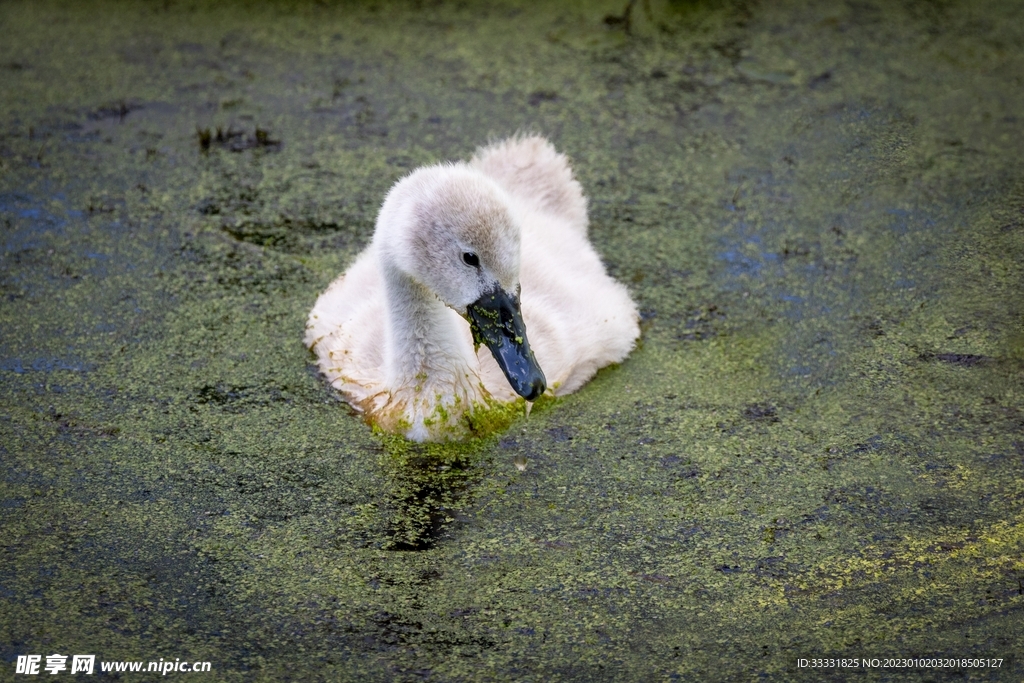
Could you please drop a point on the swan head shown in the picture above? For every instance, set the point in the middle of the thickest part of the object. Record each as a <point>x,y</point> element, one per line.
<point>453,231</point>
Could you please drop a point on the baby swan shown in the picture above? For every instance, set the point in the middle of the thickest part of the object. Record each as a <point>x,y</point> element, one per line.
<point>464,256</point>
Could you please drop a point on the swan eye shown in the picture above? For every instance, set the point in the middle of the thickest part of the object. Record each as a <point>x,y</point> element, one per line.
<point>471,259</point>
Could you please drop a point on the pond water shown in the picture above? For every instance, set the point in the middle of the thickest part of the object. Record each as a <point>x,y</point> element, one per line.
<point>815,451</point>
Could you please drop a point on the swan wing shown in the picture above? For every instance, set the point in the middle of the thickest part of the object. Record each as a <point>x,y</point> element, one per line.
<point>536,175</point>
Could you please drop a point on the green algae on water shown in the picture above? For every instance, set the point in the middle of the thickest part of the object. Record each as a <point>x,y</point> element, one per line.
<point>815,451</point>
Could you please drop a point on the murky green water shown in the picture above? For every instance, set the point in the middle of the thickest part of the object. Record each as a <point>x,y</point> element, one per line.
<point>816,451</point>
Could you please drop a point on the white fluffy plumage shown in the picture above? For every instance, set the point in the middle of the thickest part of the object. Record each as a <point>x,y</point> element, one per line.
<point>390,333</point>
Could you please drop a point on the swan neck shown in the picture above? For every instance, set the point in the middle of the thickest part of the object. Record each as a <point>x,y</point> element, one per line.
<point>423,340</point>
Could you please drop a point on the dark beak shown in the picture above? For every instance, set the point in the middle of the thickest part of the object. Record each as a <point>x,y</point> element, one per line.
<point>496,321</point>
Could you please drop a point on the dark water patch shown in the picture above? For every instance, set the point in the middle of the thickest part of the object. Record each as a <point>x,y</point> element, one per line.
<point>836,454</point>
<point>289,235</point>
<point>861,498</point>
<point>702,323</point>
<point>320,217</point>
<point>239,397</point>
<point>423,501</point>
<point>761,412</point>
<point>237,269</point>
<point>944,509</point>
<point>272,500</point>
<point>539,96</point>
<point>777,568</point>
<point>236,140</point>
<point>27,221</point>
<point>964,360</point>
<point>221,395</point>
<point>562,433</point>
<point>76,425</point>
<point>21,366</point>
<point>747,259</point>
<point>115,110</point>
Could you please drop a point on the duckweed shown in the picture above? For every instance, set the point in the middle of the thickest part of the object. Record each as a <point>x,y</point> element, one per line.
<point>814,452</point>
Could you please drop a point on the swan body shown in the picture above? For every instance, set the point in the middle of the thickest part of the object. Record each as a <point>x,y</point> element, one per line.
<point>425,327</point>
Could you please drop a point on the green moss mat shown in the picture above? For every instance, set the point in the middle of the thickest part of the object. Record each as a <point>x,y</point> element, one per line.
<point>816,450</point>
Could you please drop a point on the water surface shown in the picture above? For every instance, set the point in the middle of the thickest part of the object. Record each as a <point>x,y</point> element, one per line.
<point>816,450</point>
